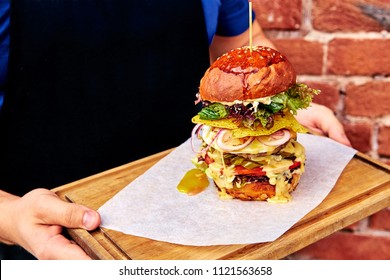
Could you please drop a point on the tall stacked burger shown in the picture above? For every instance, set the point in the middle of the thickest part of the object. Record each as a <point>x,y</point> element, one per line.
<point>247,127</point>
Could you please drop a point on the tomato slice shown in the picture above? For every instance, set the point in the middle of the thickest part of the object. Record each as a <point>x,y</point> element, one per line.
<point>258,171</point>
<point>208,159</point>
<point>295,165</point>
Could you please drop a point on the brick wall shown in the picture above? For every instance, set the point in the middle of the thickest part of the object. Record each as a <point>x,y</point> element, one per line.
<point>342,47</point>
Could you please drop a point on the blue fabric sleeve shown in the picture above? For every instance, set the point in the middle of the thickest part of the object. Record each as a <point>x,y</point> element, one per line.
<point>211,10</point>
<point>233,17</point>
<point>4,45</point>
<point>226,17</point>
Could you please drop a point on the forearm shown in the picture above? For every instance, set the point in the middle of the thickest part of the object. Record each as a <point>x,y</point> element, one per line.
<point>6,208</point>
<point>259,38</point>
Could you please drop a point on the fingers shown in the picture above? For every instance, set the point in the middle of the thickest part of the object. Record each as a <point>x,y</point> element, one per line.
<point>321,120</point>
<point>71,215</point>
<point>38,218</point>
<point>315,131</point>
<point>339,135</point>
<point>332,127</point>
<point>50,209</point>
<point>58,247</point>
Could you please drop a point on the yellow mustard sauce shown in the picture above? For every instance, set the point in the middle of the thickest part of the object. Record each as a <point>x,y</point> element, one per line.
<point>193,182</point>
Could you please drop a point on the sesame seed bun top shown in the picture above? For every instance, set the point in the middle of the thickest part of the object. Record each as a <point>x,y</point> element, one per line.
<point>247,74</point>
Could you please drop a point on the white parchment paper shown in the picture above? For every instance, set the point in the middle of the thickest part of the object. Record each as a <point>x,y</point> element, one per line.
<point>152,207</point>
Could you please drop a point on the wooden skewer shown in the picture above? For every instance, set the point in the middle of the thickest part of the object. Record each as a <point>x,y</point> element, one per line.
<point>250,26</point>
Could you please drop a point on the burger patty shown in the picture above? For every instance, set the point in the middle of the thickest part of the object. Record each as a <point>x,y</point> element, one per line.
<point>240,179</point>
<point>258,190</point>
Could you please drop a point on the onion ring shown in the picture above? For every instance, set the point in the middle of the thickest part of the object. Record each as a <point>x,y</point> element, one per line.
<point>196,131</point>
<point>227,143</point>
<point>277,138</point>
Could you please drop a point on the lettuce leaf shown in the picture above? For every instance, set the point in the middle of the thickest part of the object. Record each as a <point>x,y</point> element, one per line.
<point>299,96</point>
<point>214,111</point>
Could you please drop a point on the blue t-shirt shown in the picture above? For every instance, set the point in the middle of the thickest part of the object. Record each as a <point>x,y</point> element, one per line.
<point>4,45</point>
<point>223,17</point>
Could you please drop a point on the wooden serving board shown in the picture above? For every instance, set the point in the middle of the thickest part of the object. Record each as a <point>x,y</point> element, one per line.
<point>362,189</point>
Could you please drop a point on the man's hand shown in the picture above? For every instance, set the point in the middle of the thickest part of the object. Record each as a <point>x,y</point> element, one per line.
<point>35,222</point>
<point>321,120</point>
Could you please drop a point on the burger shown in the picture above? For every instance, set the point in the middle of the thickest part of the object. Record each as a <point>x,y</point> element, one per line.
<point>246,125</point>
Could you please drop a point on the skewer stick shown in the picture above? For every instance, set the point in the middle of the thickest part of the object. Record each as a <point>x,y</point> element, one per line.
<point>250,26</point>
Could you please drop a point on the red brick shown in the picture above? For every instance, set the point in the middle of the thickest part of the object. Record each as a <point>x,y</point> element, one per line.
<point>360,135</point>
<point>305,56</point>
<point>278,14</point>
<point>380,220</point>
<point>347,246</point>
<point>348,15</point>
<point>371,99</point>
<point>329,95</point>
<point>384,140</point>
<point>359,57</point>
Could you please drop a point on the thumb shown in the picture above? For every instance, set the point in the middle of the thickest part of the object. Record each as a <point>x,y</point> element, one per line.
<point>58,212</point>
<point>78,216</point>
<point>90,219</point>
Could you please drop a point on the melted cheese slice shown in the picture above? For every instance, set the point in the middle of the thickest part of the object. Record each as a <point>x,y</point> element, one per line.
<point>286,121</point>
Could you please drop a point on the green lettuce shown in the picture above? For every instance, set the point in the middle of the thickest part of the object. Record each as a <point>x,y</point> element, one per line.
<point>214,111</point>
<point>299,96</point>
<point>296,97</point>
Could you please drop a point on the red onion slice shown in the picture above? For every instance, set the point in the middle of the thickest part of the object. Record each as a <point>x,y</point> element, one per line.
<point>196,133</point>
<point>277,138</point>
<point>227,142</point>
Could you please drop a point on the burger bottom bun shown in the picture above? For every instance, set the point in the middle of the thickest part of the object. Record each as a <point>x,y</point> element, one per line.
<point>257,191</point>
